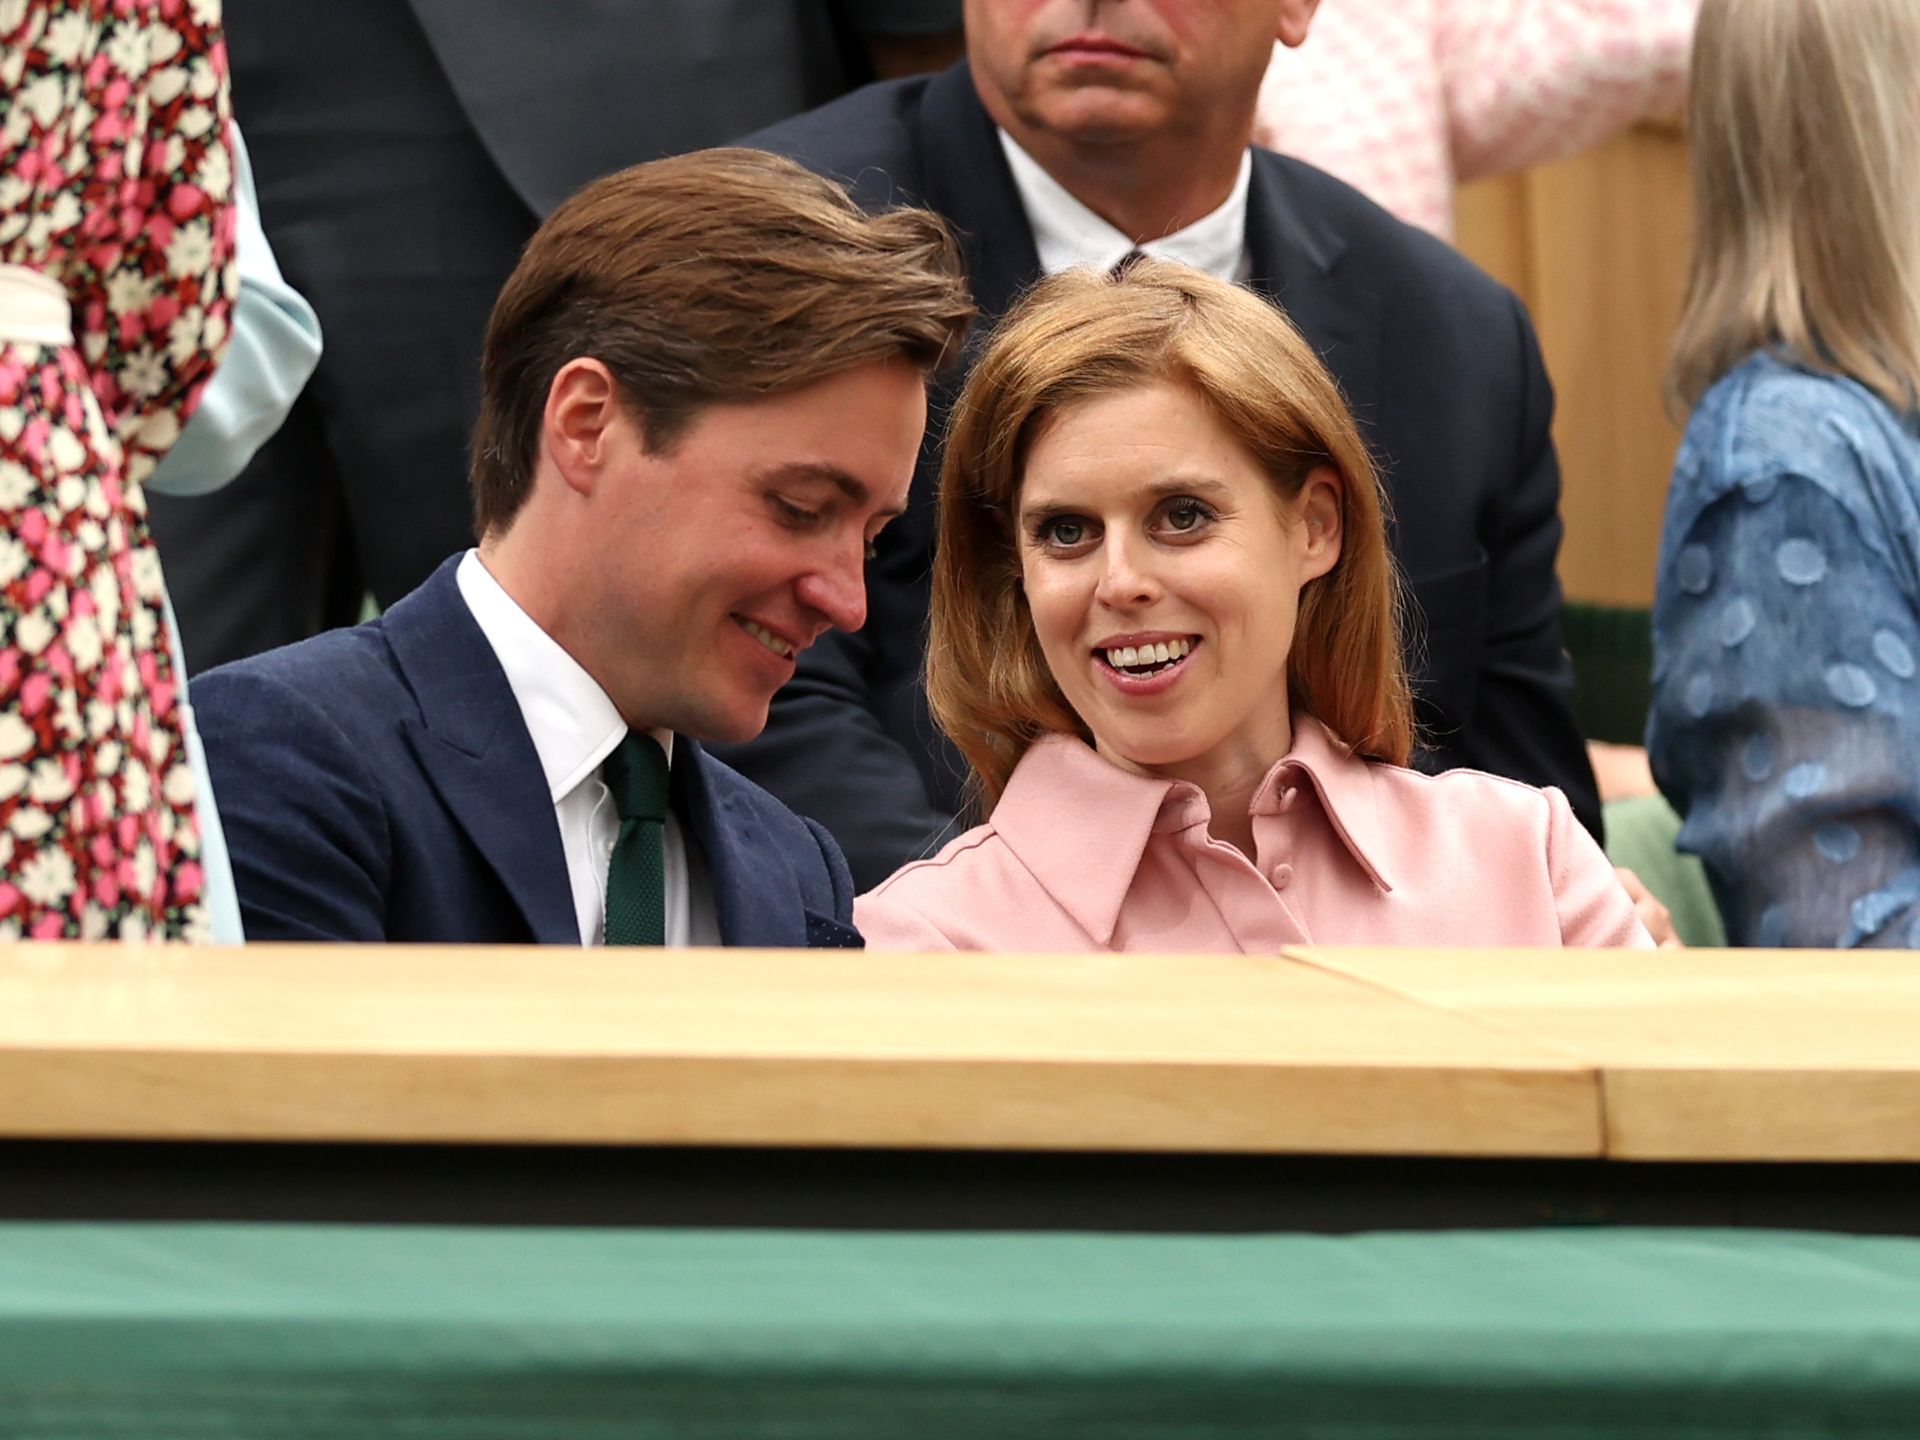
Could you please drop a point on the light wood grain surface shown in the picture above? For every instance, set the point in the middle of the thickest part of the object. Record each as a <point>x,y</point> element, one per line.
<point>1148,1052</point>
<point>1701,1054</point>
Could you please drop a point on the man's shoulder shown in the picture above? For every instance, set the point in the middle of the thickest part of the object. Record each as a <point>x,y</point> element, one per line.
<point>866,139</point>
<point>1402,262</point>
<point>356,672</point>
<point>340,673</point>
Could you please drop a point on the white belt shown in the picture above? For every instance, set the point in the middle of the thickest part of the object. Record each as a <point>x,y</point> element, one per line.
<point>33,308</point>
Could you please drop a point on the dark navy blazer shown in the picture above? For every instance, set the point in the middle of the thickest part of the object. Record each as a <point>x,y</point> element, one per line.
<point>379,784</point>
<point>1443,373</point>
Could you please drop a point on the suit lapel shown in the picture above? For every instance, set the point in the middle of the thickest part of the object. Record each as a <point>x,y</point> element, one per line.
<point>754,895</point>
<point>965,176</point>
<point>1295,252</point>
<point>474,746</point>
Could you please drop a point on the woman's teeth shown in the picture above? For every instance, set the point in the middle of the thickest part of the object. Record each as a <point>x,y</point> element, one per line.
<point>1148,657</point>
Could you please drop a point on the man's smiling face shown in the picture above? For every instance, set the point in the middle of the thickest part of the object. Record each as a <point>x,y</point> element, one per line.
<point>715,561</point>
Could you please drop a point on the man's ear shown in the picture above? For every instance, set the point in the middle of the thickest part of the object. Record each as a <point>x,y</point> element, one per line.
<point>576,429</point>
<point>1294,19</point>
<point>1317,511</point>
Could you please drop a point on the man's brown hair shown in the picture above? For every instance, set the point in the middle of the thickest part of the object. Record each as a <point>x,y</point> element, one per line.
<point>713,277</point>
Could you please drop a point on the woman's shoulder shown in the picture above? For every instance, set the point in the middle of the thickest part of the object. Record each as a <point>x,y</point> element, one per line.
<point>972,895</point>
<point>1465,798</point>
<point>1769,417</point>
<point>1768,380</point>
<point>1018,880</point>
<point>1507,843</point>
<point>967,853</point>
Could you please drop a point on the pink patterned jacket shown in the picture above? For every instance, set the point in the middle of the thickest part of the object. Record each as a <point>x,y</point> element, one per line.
<point>1404,98</point>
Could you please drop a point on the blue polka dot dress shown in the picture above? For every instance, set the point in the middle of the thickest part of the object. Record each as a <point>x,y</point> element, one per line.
<point>1785,725</point>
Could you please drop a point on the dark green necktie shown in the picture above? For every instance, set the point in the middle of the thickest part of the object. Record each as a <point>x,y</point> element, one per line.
<point>636,773</point>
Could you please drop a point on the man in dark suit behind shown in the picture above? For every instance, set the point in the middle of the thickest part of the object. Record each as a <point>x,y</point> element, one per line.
<point>1078,131</point>
<point>702,393</point>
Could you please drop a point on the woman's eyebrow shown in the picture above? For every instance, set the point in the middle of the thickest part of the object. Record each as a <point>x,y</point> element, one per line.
<point>1179,484</point>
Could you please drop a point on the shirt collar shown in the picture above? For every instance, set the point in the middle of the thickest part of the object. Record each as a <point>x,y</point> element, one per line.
<point>1113,813</point>
<point>1066,233</point>
<point>573,724</point>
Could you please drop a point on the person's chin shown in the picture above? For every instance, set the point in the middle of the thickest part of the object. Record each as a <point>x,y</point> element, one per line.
<point>742,723</point>
<point>1094,111</point>
<point>730,719</point>
<point>1146,746</point>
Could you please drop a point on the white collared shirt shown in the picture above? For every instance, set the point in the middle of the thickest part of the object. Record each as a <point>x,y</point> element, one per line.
<point>575,727</point>
<point>1067,233</point>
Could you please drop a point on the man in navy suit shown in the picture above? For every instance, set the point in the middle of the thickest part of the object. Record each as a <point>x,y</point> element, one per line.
<point>703,390</point>
<point>1078,131</point>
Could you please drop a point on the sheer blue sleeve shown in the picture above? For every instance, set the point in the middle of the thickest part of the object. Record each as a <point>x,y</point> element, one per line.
<point>1785,724</point>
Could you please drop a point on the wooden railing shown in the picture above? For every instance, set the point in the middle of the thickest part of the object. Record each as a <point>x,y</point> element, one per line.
<point>1696,1055</point>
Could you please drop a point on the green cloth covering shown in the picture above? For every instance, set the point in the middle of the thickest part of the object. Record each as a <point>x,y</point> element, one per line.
<point>1640,836</point>
<point>216,1331</point>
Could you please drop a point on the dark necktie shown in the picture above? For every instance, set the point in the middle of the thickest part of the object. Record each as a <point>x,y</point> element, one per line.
<point>636,773</point>
<point>1126,262</point>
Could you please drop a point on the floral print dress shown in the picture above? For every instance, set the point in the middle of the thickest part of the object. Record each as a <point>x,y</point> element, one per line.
<point>114,185</point>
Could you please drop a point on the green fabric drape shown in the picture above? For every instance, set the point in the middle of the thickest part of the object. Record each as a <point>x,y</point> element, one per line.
<point>216,1331</point>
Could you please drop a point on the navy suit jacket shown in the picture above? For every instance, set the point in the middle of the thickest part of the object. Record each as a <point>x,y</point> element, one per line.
<point>379,784</point>
<point>1441,368</point>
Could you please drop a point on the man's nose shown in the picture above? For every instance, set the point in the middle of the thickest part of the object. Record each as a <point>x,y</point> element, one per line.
<point>837,591</point>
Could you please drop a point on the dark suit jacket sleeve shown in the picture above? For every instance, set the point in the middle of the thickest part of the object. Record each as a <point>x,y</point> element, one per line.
<point>839,879</point>
<point>827,754</point>
<point>1523,724</point>
<point>303,818</point>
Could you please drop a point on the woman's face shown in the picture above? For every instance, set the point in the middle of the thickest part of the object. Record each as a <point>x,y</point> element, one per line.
<point>1163,573</point>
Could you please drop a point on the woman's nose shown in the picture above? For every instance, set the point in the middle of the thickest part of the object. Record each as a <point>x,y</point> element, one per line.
<point>1126,578</point>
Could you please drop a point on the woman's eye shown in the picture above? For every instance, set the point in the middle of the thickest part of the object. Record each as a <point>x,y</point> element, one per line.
<point>1067,530</point>
<point>1186,515</point>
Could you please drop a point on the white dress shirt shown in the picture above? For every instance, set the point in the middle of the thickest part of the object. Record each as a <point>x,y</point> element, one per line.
<point>575,727</point>
<point>1067,233</point>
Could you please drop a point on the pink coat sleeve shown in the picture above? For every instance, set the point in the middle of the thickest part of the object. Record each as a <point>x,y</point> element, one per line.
<point>1595,910</point>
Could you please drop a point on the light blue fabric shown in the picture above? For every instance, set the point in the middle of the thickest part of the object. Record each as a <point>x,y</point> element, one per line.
<point>1785,725</point>
<point>274,348</point>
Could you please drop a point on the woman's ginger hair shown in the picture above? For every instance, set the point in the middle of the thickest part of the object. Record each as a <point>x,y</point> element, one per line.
<point>1082,334</point>
<point>1805,136</point>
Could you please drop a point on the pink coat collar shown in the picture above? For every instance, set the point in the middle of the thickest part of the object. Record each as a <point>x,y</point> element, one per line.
<point>1084,850</point>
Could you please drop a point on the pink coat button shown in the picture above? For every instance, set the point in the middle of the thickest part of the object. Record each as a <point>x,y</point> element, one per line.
<point>1281,875</point>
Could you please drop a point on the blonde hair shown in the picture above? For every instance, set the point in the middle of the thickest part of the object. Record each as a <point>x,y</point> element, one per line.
<point>1805,121</point>
<point>1082,334</point>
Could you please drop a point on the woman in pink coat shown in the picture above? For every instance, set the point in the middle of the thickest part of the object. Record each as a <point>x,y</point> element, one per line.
<point>1165,635</point>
